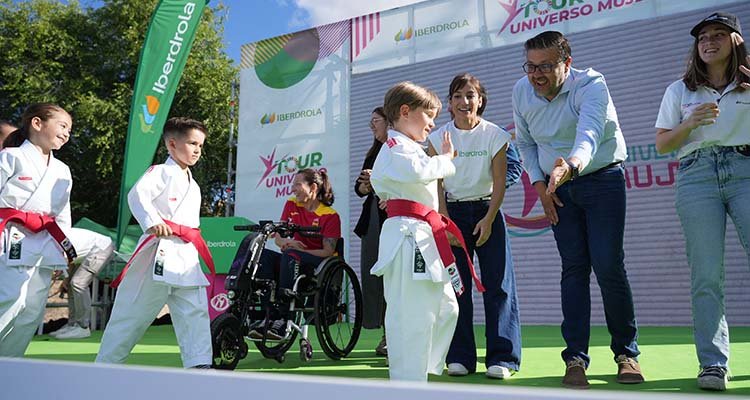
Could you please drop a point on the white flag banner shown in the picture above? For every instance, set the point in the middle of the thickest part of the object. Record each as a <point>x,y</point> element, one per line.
<point>435,29</point>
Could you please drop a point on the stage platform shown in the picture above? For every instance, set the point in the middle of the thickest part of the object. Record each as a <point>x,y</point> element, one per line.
<point>668,360</point>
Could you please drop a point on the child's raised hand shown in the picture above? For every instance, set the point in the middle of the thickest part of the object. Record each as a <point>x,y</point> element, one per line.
<point>160,230</point>
<point>446,146</point>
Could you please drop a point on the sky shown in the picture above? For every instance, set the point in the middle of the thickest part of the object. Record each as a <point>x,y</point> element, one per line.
<point>253,20</point>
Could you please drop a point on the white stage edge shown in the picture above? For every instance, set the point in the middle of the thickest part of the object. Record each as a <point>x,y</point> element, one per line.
<point>22,379</point>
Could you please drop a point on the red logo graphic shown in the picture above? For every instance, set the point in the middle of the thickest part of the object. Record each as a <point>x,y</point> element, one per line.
<point>24,178</point>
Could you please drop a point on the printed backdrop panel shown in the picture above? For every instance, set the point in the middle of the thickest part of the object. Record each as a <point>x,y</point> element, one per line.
<point>435,29</point>
<point>294,110</point>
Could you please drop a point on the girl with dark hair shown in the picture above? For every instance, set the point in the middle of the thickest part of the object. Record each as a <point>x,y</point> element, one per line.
<point>472,199</point>
<point>368,229</point>
<point>310,206</point>
<point>34,187</point>
<point>713,177</point>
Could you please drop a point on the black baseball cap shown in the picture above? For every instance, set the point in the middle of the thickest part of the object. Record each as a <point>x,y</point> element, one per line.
<point>729,20</point>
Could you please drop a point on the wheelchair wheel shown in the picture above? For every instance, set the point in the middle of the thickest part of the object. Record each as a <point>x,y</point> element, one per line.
<point>228,344</point>
<point>277,349</point>
<point>338,310</point>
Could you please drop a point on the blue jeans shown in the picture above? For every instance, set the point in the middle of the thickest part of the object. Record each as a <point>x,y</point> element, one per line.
<point>590,235</point>
<point>503,331</point>
<point>285,267</point>
<point>712,183</point>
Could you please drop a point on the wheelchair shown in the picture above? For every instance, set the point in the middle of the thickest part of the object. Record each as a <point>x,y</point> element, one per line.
<point>330,299</point>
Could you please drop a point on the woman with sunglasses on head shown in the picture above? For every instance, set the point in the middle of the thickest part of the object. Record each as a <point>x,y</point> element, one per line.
<point>368,229</point>
<point>705,118</point>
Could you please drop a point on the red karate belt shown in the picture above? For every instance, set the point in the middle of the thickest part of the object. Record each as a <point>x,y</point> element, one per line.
<point>36,223</point>
<point>440,224</point>
<point>188,235</point>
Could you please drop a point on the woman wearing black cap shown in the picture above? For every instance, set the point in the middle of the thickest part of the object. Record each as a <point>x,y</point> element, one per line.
<point>705,117</point>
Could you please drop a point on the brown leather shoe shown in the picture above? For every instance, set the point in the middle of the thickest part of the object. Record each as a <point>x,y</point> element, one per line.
<point>575,374</point>
<point>628,370</point>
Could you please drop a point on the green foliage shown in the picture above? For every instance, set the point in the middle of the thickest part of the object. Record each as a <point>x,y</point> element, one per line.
<point>85,59</point>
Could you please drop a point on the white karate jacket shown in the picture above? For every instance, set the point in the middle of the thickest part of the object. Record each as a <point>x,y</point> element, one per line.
<point>403,170</point>
<point>28,183</point>
<point>166,192</point>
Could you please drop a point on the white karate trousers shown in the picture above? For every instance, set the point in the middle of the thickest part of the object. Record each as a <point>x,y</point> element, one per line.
<point>138,301</point>
<point>23,297</point>
<point>420,318</point>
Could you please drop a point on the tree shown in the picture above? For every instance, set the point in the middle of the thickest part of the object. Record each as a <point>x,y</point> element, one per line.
<point>85,59</point>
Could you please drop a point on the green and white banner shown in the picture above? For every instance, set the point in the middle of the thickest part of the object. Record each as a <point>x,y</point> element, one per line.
<point>430,30</point>
<point>295,115</point>
<point>168,41</point>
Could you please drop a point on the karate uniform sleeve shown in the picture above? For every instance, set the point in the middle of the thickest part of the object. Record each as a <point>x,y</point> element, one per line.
<point>142,196</point>
<point>64,220</point>
<point>592,100</point>
<point>409,166</point>
<point>526,144</point>
<point>7,167</point>
<point>669,112</point>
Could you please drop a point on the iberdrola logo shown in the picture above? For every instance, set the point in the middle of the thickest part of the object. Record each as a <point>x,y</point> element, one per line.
<point>401,35</point>
<point>268,119</point>
<point>148,115</point>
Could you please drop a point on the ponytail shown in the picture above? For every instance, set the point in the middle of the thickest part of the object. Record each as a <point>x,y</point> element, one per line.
<point>43,111</point>
<point>16,138</point>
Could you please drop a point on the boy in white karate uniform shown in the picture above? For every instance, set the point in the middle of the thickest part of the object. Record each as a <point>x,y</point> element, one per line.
<point>165,268</point>
<point>414,251</point>
<point>35,213</point>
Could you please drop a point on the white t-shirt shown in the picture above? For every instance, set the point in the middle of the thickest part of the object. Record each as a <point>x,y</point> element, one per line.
<point>732,127</point>
<point>475,150</point>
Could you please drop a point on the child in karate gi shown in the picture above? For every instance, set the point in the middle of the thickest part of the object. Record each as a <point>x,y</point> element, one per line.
<point>94,251</point>
<point>415,260</point>
<point>35,212</point>
<point>165,268</point>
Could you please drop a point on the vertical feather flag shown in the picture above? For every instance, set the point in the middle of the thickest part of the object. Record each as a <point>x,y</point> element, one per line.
<point>168,41</point>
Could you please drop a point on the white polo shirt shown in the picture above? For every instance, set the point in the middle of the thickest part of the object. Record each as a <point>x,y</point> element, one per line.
<point>476,148</point>
<point>732,127</point>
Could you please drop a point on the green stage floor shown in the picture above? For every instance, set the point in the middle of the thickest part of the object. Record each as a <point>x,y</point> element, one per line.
<point>668,359</point>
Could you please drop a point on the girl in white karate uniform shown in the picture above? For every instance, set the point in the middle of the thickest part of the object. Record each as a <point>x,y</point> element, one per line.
<point>422,308</point>
<point>34,186</point>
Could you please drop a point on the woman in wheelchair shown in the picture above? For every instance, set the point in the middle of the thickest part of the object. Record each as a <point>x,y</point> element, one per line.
<point>300,254</point>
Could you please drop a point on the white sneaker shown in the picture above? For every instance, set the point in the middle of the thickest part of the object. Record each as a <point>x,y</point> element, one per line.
<point>457,369</point>
<point>75,332</point>
<point>498,372</point>
<point>64,328</point>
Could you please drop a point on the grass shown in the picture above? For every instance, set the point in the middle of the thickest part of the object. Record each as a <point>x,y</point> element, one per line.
<point>668,359</point>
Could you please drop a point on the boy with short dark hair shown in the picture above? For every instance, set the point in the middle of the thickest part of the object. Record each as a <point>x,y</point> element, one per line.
<point>165,268</point>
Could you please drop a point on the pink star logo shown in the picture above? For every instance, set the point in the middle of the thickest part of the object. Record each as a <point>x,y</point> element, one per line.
<point>513,10</point>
